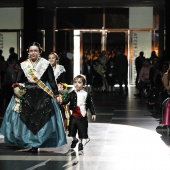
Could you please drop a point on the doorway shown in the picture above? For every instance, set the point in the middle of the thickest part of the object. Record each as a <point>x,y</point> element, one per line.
<point>94,42</point>
<point>104,40</point>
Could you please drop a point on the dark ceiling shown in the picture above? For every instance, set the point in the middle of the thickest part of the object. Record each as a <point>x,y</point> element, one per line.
<point>87,3</point>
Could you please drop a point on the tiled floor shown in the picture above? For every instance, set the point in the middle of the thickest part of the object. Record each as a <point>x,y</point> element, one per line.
<point>123,137</point>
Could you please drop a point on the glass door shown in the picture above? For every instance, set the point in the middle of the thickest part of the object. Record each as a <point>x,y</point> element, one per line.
<point>91,41</point>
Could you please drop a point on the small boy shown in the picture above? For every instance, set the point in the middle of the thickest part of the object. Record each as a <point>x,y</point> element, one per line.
<point>80,102</point>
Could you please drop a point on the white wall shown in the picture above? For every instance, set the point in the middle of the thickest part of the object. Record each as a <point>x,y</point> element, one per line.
<point>141,17</point>
<point>7,40</point>
<point>141,41</point>
<point>11,18</point>
<point>141,20</point>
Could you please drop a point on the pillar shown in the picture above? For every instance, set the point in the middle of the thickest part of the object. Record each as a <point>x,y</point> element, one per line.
<point>167,26</point>
<point>49,29</point>
<point>161,32</point>
<point>30,22</point>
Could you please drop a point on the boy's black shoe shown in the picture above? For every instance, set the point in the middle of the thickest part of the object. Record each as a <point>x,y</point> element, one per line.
<point>80,147</point>
<point>74,143</point>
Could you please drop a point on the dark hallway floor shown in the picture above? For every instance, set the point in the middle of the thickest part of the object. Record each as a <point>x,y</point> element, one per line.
<point>123,137</point>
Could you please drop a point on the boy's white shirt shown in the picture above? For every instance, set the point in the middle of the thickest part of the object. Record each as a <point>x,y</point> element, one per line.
<point>81,101</point>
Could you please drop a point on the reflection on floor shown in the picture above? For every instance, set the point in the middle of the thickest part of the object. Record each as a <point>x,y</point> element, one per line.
<point>123,137</point>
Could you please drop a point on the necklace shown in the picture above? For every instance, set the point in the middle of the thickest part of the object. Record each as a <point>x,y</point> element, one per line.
<point>35,62</point>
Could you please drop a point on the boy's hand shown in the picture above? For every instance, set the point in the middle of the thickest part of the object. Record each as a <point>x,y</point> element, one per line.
<point>93,117</point>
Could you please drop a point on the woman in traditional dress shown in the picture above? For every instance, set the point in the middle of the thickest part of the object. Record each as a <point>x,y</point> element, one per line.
<point>35,122</point>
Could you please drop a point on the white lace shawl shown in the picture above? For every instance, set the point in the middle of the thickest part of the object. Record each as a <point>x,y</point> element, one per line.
<point>38,70</point>
<point>58,69</point>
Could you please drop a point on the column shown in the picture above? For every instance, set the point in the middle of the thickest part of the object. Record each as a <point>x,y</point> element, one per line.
<point>161,32</point>
<point>49,29</point>
<point>30,22</point>
<point>167,26</point>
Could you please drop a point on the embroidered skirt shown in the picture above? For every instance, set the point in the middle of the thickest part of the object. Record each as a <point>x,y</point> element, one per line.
<point>40,123</point>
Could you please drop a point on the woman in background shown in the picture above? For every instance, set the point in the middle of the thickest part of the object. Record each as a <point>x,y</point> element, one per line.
<point>60,77</point>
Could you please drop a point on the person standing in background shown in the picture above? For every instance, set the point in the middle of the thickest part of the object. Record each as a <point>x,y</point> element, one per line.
<point>60,77</point>
<point>10,77</point>
<point>121,69</point>
<point>110,75</point>
<point>144,79</point>
<point>13,55</point>
<point>88,70</point>
<point>153,57</point>
<point>3,67</point>
<point>2,58</point>
<point>103,60</point>
<point>138,64</point>
<point>59,70</point>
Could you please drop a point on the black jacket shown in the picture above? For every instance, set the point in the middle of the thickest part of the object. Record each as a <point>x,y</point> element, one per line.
<point>72,98</point>
<point>47,76</point>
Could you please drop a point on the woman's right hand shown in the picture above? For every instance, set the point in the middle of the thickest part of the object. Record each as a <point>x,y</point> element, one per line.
<point>58,99</point>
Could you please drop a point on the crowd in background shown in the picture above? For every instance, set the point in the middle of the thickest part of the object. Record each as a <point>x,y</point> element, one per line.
<point>105,69</point>
<point>8,74</point>
<point>149,80</point>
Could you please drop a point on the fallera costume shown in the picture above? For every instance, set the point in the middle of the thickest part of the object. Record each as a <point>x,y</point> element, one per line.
<point>39,124</point>
<point>59,74</point>
<point>80,102</point>
<point>58,71</point>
